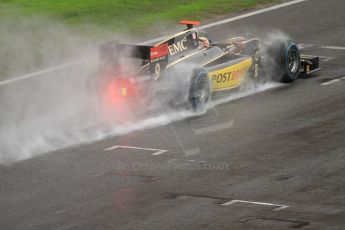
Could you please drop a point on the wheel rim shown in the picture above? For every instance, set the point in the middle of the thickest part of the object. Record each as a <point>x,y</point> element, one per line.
<point>293,61</point>
<point>202,92</point>
<point>201,96</point>
<point>256,55</point>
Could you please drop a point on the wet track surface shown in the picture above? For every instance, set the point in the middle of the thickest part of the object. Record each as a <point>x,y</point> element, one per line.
<point>272,160</point>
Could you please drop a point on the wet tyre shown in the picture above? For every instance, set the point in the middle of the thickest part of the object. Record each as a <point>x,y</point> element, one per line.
<point>286,60</point>
<point>200,90</point>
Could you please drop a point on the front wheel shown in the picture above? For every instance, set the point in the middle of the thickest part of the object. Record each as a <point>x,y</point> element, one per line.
<point>200,90</point>
<point>286,61</point>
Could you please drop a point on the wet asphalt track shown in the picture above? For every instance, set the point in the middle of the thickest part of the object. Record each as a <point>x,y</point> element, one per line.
<point>283,148</point>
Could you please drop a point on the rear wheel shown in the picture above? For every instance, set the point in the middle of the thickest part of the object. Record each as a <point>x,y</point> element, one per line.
<point>200,90</point>
<point>253,49</point>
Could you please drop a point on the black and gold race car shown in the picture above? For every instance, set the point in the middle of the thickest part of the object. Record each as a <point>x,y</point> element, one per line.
<point>190,68</point>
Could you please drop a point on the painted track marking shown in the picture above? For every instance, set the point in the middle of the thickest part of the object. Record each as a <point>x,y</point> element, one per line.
<point>38,73</point>
<point>330,82</point>
<point>305,46</point>
<point>213,128</point>
<point>333,47</point>
<point>325,58</point>
<point>194,161</point>
<point>333,81</point>
<point>156,151</point>
<point>236,18</point>
<point>276,7</point>
<point>14,79</point>
<point>279,206</point>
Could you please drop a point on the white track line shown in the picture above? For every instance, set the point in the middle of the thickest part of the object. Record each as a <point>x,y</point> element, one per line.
<point>156,151</point>
<point>330,82</point>
<point>242,16</point>
<point>325,58</point>
<point>333,81</point>
<point>253,13</point>
<point>304,46</point>
<point>213,128</point>
<point>333,47</point>
<point>14,79</point>
<point>279,206</point>
<point>174,159</point>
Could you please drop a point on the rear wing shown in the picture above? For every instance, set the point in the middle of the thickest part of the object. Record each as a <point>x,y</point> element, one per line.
<point>114,50</point>
<point>190,24</point>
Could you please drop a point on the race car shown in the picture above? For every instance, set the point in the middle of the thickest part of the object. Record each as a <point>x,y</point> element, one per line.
<point>190,68</point>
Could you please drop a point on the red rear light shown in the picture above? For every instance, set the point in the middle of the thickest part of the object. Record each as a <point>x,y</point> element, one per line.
<point>124,88</point>
<point>119,97</point>
<point>119,91</point>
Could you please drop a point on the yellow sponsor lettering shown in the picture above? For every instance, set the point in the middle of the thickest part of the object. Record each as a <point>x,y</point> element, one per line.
<point>229,77</point>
